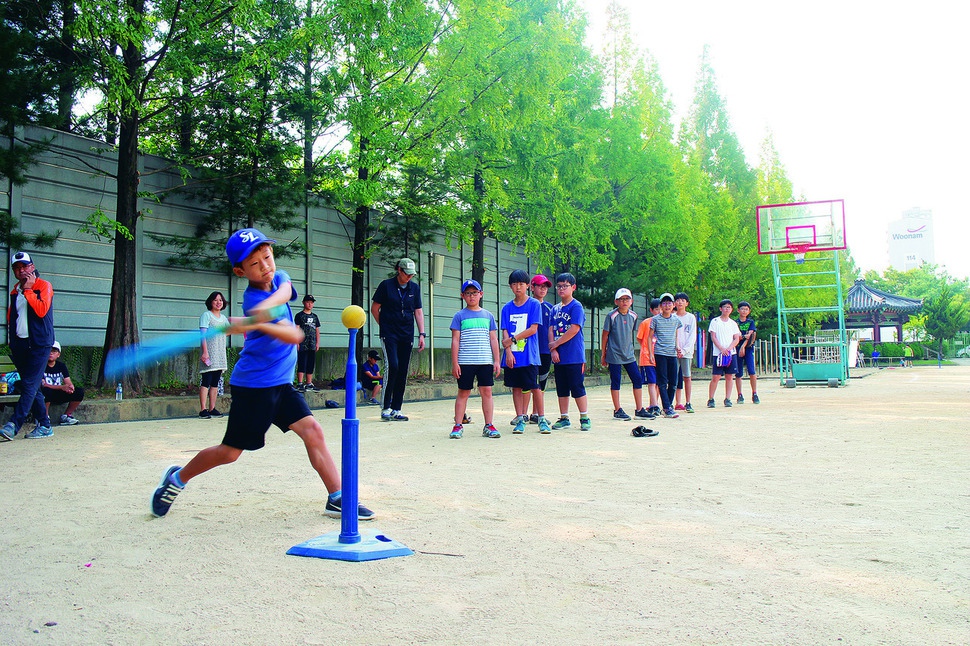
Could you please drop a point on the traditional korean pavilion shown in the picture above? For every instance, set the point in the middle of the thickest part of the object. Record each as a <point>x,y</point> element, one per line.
<point>869,307</point>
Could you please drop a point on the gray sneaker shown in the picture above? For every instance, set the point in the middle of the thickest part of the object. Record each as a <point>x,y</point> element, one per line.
<point>68,420</point>
<point>8,432</point>
<point>727,403</point>
<point>740,399</point>
<point>754,398</point>
<point>39,432</point>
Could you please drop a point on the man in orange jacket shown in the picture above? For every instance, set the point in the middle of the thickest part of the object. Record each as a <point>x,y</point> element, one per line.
<point>30,332</point>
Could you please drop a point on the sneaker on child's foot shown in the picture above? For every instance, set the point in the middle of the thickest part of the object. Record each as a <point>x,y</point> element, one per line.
<point>544,427</point>
<point>166,493</point>
<point>456,432</point>
<point>727,403</point>
<point>520,427</point>
<point>562,423</point>
<point>740,398</point>
<point>372,401</point>
<point>585,424</point>
<point>68,420</point>
<point>656,411</point>
<point>679,407</point>
<point>309,387</point>
<point>8,432</point>
<point>533,419</point>
<point>710,403</point>
<point>619,413</point>
<point>489,430</point>
<point>670,414</point>
<point>386,415</point>
<point>333,510</point>
<point>215,412</point>
<point>754,398</point>
<point>643,412</point>
<point>515,420</point>
<point>688,408</point>
<point>39,432</point>
<point>398,416</point>
<point>204,414</point>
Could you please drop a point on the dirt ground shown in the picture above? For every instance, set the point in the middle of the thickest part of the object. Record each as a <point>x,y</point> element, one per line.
<point>820,516</point>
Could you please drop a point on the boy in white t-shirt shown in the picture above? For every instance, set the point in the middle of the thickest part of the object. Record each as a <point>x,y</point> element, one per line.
<point>686,340</point>
<point>725,336</point>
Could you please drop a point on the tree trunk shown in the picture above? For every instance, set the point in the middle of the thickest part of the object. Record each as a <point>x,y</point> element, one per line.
<point>361,226</point>
<point>67,84</point>
<point>478,229</point>
<point>122,328</point>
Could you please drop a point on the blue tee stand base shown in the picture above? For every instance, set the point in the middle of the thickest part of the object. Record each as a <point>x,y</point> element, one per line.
<point>349,544</point>
<point>372,546</point>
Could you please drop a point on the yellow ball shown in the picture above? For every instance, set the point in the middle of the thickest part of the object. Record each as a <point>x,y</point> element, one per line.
<point>353,317</point>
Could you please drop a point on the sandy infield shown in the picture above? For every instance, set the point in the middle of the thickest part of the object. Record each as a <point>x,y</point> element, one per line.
<point>837,516</point>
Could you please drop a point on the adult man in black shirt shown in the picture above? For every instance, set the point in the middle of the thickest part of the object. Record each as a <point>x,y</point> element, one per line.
<point>396,307</point>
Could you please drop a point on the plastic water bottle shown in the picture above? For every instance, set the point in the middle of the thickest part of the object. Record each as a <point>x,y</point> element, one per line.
<point>119,393</point>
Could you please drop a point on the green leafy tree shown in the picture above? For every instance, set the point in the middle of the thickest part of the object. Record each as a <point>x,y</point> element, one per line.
<point>946,313</point>
<point>132,43</point>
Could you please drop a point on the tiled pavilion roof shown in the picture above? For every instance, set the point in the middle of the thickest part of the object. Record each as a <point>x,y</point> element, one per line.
<point>862,299</point>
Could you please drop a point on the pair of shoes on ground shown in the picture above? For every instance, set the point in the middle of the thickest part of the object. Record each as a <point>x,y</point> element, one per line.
<point>167,491</point>
<point>727,403</point>
<point>585,423</point>
<point>208,414</point>
<point>68,420</point>
<point>9,431</point>
<point>389,415</point>
<point>643,431</point>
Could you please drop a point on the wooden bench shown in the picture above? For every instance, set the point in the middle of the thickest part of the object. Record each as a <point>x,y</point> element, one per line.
<point>6,365</point>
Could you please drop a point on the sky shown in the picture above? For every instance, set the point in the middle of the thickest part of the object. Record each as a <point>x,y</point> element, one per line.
<point>865,101</point>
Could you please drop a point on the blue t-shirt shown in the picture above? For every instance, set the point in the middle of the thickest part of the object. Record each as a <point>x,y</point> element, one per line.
<point>474,336</point>
<point>265,361</point>
<point>516,319</point>
<point>564,316</point>
<point>544,327</point>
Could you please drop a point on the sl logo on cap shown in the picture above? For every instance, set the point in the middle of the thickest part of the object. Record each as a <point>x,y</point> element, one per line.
<point>247,236</point>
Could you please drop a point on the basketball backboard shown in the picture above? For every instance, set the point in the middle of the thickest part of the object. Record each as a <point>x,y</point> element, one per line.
<point>801,227</point>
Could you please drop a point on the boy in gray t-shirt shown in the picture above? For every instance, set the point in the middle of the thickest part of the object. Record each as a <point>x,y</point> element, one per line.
<point>664,328</point>
<point>618,331</point>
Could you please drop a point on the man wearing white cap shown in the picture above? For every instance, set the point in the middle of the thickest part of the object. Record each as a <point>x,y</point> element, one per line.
<point>30,333</point>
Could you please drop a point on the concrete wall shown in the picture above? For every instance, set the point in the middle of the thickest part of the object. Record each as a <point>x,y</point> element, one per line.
<point>74,179</point>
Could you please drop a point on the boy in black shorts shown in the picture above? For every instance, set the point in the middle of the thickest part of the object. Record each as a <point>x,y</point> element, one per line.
<point>474,354</point>
<point>262,390</point>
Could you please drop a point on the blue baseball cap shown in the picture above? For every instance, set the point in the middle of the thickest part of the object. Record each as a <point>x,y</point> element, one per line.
<point>470,283</point>
<point>244,242</point>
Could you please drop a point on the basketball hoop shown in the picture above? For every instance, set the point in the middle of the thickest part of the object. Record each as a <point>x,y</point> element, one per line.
<point>798,251</point>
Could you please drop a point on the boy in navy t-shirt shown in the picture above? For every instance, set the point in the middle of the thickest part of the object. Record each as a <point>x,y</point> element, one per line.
<point>568,348</point>
<point>521,318</point>
<point>262,381</point>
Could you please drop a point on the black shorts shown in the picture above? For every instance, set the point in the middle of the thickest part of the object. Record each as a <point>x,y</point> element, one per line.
<point>484,373</point>
<point>254,410</point>
<point>306,361</point>
<point>526,377</point>
<point>570,380</point>
<point>61,396</point>
<point>210,379</point>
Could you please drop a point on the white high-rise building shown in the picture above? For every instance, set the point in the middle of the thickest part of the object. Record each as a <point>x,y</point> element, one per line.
<point>911,240</point>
